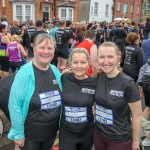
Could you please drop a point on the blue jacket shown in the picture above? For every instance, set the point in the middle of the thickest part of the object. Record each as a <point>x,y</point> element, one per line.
<point>20,95</point>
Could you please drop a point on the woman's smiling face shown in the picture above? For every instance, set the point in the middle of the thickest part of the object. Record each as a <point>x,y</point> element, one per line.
<point>108,60</point>
<point>44,52</point>
<point>79,65</point>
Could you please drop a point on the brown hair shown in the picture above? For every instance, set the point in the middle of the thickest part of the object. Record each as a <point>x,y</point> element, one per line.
<point>131,38</point>
<point>147,19</point>
<point>62,23</point>
<point>2,26</point>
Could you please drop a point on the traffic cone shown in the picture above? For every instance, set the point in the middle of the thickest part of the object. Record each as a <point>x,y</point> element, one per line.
<point>55,148</point>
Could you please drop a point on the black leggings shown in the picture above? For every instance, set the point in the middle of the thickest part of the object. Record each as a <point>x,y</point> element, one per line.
<point>72,141</point>
<point>15,66</point>
<point>45,145</point>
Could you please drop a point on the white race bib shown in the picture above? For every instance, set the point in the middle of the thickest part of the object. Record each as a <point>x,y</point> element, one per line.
<point>76,114</point>
<point>104,116</point>
<point>50,100</point>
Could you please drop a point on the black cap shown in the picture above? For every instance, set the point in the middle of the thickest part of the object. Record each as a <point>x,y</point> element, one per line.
<point>39,23</point>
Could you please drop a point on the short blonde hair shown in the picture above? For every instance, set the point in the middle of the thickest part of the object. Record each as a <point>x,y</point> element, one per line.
<point>79,51</point>
<point>42,37</point>
<point>16,38</point>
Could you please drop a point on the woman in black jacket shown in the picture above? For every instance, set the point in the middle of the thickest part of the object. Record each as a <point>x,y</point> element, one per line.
<point>132,57</point>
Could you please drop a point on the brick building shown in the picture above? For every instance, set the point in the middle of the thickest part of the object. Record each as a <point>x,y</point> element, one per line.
<point>131,9</point>
<point>38,9</point>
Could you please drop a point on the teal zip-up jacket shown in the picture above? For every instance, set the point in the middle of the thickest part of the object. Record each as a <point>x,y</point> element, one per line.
<point>20,95</point>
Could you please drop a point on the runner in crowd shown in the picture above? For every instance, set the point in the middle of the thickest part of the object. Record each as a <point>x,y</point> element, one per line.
<point>35,107</point>
<point>89,45</point>
<point>146,50</point>
<point>109,34</point>
<point>70,31</point>
<point>132,28</point>
<point>77,120</point>
<point>141,33</point>
<point>102,31</point>
<point>4,60</point>
<point>132,57</point>
<point>27,38</point>
<point>147,28</point>
<point>52,34</point>
<point>98,34</point>
<point>114,102</point>
<point>79,36</point>
<point>120,36</point>
<point>15,52</point>
<point>62,38</point>
<point>39,30</point>
<point>16,28</point>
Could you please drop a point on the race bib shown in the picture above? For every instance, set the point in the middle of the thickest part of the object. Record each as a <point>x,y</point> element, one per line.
<point>50,100</point>
<point>104,116</point>
<point>76,114</point>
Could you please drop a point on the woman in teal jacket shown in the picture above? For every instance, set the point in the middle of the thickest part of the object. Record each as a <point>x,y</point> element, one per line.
<point>35,99</point>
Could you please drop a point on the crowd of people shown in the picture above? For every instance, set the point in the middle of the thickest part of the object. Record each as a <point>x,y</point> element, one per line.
<point>66,73</point>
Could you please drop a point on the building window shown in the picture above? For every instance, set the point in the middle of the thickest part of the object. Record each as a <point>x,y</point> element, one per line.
<point>148,5</point>
<point>106,10</point>
<point>96,9</point>
<point>131,9</point>
<point>118,7</point>
<point>66,13</point>
<point>28,12</point>
<point>70,14</point>
<point>125,8</point>
<point>23,12</point>
<point>19,13</point>
<point>138,10</point>
<point>46,9</point>
<point>63,14</point>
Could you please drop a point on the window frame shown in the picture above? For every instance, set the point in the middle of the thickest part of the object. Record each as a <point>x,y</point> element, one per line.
<point>67,13</point>
<point>126,4</point>
<point>118,6</point>
<point>138,10</point>
<point>24,15</point>
<point>147,5</point>
<point>95,10</point>
<point>131,9</point>
<point>107,11</point>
